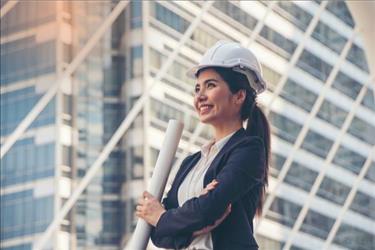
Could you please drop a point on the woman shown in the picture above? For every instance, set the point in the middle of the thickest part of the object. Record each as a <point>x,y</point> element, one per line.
<point>217,191</point>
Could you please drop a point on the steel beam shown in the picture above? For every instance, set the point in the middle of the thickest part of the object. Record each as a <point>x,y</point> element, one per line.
<point>7,7</point>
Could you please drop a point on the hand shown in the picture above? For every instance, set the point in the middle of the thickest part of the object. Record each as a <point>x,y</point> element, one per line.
<point>210,186</point>
<point>208,229</point>
<point>149,208</point>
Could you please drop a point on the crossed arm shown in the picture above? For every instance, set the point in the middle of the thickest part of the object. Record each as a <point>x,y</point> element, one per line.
<point>242,171</point>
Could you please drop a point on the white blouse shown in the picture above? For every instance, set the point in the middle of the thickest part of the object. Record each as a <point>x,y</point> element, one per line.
<point>192,186</point>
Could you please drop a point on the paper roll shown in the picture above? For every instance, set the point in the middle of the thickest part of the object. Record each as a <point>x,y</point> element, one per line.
<point>159,179</point>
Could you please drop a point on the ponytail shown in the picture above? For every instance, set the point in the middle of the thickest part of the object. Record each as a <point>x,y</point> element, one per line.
<point>258,125</point>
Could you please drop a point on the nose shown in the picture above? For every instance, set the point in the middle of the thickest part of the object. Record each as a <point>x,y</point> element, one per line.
<point>201,96</point>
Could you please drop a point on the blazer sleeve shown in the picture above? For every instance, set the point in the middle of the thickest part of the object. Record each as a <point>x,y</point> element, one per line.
<point>175,241</point>
<point>242,171</point>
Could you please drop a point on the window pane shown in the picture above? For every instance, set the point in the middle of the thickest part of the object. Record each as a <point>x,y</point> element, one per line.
<point>283,211</point>
<point>340,10</point>
<point>67,155</point>
<point>136,14</point>
<point>329,37</point>
<point>368,101</point>
<point>298,95</point>
<point>170,18</point>
<point>332,114</point>
<point>236,13</point>
<point>333,190</point>
<point>294,14</point>
<point>317,144</point>
<point>362,130</point>
<point>364,204</point>
<point>287,46</point>
<point>300,176</point>
<point>314,65</point>
<point>354,238</point>
<point>284,128</point>
<point>349,159</point>
<point>317,224</point>
<point>371,172</point>
<point>347,85</point>
<point>356,55</point>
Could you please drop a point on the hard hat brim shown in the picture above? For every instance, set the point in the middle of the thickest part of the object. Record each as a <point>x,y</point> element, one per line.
<point>194,70</point>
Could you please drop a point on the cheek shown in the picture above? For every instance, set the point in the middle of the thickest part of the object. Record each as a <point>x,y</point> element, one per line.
<point>195,103</point>
<point>222,99</point>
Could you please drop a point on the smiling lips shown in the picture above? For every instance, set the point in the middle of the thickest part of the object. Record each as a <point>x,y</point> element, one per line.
<point>205,108</point>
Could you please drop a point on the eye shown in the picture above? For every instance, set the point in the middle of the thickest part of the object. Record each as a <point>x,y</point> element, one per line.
<point>197,88</point>
<point>210,85</point>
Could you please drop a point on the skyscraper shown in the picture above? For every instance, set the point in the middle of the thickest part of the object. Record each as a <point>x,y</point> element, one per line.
<point>319,102</point>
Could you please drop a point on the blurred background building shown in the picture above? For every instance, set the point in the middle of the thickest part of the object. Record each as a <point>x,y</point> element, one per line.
<point>322,176</point>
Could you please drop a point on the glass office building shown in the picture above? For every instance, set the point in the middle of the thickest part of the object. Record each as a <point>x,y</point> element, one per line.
<point>319,101</point>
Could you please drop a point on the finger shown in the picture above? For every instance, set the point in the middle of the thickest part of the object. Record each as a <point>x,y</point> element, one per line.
<point>144,194</point>
<point>224,216</point>
<point>147,195</point>
<point>220,220</point>
<point>202,231</point>
<point>228,210</point>
<point>214,182</point>
<point>211,186</point>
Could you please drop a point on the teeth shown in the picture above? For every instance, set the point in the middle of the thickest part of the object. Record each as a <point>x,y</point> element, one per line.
<point>204,107</point>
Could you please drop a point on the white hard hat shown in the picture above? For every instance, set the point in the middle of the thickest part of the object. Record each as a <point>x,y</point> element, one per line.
<point>233,55</point>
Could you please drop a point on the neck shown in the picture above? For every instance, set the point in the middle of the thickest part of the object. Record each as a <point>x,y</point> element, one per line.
<point>222,130</point>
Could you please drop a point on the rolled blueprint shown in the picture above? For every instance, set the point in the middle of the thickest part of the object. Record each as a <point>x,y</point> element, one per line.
<point>159,179</point>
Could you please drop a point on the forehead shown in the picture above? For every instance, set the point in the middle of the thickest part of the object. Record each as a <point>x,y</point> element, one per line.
<point>207,74</point>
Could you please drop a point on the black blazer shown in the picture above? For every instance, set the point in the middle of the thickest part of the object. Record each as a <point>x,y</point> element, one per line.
<point>239,169</point>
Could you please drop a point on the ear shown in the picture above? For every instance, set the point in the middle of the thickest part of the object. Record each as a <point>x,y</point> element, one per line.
<point>240,96</point>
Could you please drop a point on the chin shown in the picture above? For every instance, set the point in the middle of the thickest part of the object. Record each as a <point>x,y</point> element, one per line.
<point>206,120</point>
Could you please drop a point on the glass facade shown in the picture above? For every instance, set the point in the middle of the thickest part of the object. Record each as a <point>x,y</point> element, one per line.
<point>284,212</point>
<point>40,39</point>
<point>28,64</point>
<point>22,214</point>
<point>298,95</point>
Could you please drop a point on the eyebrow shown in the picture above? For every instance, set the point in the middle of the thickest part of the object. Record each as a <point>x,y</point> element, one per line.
<point>208,80</point>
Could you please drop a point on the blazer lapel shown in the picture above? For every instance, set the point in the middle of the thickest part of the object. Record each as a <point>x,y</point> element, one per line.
<point>186,169</point>
<point>214,167</point>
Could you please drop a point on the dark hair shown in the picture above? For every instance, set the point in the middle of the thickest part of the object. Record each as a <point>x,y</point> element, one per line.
<point>257,123</point>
